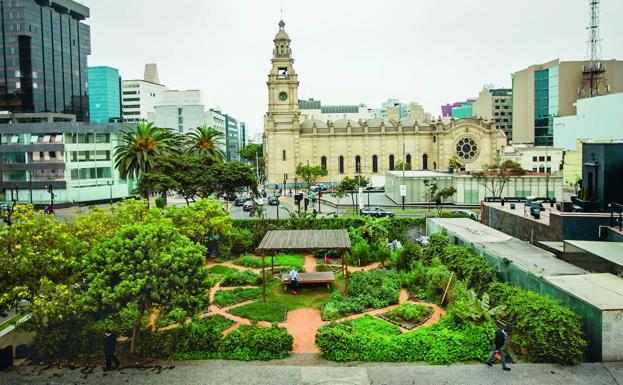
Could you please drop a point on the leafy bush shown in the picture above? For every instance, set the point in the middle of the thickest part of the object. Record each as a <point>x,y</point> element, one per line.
<point>368,324</point>
<point>160,202</point>
<point>410,254</point>
<point>261,311</point>
<point>550,332</point>
<point>367,289</point>
<point>443,343</point>
<point>410,312</point>
<point>474,269</point>
<point>221,270</point>
<point>253,342</point>
<point>286,260</point>
<point>224,298</point>
<point>428,282</point>
<point>474,309</point>
<point>241,278</point>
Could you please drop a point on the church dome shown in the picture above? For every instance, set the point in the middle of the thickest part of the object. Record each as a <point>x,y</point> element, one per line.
<point>311,123</point>
<point>342,123</point>
<point>282,35</point>
<point>408,122</point>
<point>376,122</point>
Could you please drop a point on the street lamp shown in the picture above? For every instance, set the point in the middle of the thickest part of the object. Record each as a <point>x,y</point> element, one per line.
<point>110,183</point>
<point>51,191</point>
<point>296,180</point>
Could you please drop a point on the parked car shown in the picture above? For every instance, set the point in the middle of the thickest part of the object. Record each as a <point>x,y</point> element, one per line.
<point>466,213</point>
<point>240,201</point>
<point>273,200</point>
<point>248,205</point>
<point>319,187</point>
<point>259,201</point>
<point>377,212</point>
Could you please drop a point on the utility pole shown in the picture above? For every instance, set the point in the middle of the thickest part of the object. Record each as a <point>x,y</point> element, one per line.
<point>257,167</point>
<point>110,183</point>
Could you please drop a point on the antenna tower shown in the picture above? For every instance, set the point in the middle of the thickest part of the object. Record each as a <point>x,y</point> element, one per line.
<point>593,72</point>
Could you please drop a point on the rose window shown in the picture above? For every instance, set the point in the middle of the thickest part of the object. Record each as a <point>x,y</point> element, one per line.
<point>466,148</point>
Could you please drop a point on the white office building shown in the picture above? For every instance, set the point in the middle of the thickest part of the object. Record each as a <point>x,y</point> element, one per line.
<point>180,111</point>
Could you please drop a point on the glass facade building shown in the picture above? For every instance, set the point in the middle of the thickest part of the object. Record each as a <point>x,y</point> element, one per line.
<point>545,105</point>
<point>104,94</point>
<point>43,64</point>
<point>232,139</point>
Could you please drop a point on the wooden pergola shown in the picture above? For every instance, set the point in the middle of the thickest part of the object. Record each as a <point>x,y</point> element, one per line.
<point>300,241</point>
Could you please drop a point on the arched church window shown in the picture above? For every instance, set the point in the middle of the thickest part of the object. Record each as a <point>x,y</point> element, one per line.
<point>425,162</point>
<point>323,162</point>
<point>341,165</point>
<point>408,159</point>
<point>391,162</point>
<point>375,163</point>
<point>357,164</point>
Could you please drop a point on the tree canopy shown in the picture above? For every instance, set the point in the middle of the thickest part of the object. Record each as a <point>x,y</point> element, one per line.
<point>310,174</point>
<point>495,175</point>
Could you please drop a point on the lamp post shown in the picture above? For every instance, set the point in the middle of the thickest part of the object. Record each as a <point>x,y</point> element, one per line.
<point>296,181</point>
<point>285,178</point>
<point>51,191</point>
<point>110,183</point>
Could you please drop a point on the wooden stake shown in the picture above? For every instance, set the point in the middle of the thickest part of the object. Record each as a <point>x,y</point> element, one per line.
<point>447,287</point>
<point>263,278</point>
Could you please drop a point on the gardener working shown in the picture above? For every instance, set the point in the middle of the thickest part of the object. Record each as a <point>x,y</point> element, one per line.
<point>294,280</point>
<point>110,348</point>
<point>498,344</point>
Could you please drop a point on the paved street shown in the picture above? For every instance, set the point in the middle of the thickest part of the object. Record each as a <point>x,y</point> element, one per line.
<point>291,372</point>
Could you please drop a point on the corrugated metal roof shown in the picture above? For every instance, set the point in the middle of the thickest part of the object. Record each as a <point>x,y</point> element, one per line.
<point>604,291</point>
<point>471,230</point>
<point>304,240</point>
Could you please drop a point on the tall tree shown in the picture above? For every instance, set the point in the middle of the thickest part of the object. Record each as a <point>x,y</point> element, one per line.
<point>310,174</point>
<point>140,146</point>
<point>141,267</point>
<point>206,141</point>
<point>495,175</point>
<point>254,154</point>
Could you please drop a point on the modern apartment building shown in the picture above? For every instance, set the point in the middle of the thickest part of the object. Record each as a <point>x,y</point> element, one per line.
<point>216,120</point>
<point>543,92</point>
<point>243,134</point>
<point>140,96</point>
<point>232,139</point>
<point>540,159</point>
<point>181,111</point>
<point>43,63</point>
<point>496,104</point>
<point>104,94</point>
<point>74,158</point>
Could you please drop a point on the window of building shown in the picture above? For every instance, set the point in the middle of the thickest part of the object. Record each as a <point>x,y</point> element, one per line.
<point>534,169</point>
<point>391,162</point>
<point>548,170</point>
<point>283,155</point>
<point>541,169</point>
<point>549,158</point>
<point>541,158</point>
<point>434,138</point>
<point>357,164</point>
<point>130,92</point>
<point>425,162</point>
<point>341,165</point>
<point>534,158</point>
<point>323,162</point>
<point>375,164</point>
<point>408,158</point>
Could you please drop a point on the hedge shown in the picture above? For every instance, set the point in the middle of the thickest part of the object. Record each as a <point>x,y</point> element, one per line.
<point>550,332</point>
<point>443,343</point>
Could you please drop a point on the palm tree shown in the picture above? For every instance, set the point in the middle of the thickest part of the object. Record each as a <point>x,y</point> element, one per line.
<point>140,146</point>
<point>206,141</point>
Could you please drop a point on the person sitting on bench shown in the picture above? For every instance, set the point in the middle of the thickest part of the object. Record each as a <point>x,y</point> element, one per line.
<point>294,280</point>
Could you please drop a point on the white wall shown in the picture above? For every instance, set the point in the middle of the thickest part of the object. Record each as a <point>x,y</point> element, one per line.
<point>597,118</point>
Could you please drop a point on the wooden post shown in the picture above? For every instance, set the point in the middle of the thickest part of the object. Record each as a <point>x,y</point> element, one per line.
<point>263,278</point>
<point>446,291</point>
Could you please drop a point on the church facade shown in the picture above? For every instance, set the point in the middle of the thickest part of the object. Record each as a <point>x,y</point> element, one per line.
<point>364,147</point>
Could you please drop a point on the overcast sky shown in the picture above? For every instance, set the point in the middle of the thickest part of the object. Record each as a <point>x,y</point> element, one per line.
<point>346,51</point>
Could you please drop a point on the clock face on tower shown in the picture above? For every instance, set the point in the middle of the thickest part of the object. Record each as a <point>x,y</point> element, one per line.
<point>283,96</point>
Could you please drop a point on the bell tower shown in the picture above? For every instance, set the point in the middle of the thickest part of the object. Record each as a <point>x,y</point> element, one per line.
<point>281,122</point>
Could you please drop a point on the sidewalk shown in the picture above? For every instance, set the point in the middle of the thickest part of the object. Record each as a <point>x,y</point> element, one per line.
<point>292,372</point>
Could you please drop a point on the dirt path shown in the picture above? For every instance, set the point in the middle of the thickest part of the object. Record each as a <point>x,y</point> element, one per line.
<point>237,267</point>
<point>372,266</point>
<point>310,264</point>
<point>303,324</point>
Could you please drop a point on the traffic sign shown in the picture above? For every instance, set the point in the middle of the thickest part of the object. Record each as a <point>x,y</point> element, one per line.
<point>403,190</point>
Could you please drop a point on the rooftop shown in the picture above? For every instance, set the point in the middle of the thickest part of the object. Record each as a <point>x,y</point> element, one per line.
<point>276,240</point>
<point>521,210</point>
<point>531,258</point>
<point>604,291</point>
<point>470,230</point>
<point>610,251</point>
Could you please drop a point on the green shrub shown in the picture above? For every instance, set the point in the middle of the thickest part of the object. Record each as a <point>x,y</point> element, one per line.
<point>474,269</point>
<point>409,312</point>
<point>221,270</point>
<point>368,325</point>
<point>253,342</point>
<point>286,260</point>
<point>339,306</point>
<point>550,332</point>
<point>160,203</point>
<point>410,254</point>
<point>442,343</point>
<point>224,298</point>
<point>241,278</point>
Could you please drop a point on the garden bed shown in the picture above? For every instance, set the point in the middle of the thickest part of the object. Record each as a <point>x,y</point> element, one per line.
<point>223,298</point>
<point>261,311</point>
<point>283,261</point>
<point>408,316</point>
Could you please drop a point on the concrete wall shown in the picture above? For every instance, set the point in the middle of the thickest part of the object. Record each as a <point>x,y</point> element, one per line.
<point>612,335</point>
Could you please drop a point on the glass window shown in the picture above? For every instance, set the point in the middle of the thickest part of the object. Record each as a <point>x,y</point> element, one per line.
<point>375,164</point>
<point>341,165</point>
<point>357,164</point>
<point>391,162</point>
<point>323,162</point>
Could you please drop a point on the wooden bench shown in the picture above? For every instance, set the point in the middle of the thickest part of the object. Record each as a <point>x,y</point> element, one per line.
<point>318,277</point>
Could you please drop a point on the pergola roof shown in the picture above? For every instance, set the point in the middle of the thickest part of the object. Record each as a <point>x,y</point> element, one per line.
<point>276,240</point>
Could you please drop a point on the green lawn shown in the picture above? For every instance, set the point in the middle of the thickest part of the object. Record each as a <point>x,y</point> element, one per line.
<point>221,270</point>
<point>261,311</point>
<point>221,322</point>
<point>308,296</point>
<point>224,298</point>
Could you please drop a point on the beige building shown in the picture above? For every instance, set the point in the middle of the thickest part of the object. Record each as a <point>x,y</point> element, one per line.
<point>542,92</point>
<point>495,104</point>
<point>369,147</point>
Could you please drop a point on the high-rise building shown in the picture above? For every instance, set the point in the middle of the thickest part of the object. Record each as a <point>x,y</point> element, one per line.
<point>140,96</point>
<point>243,134</point>
<point>44,49</point>
<point>104,94</point>
<point>216,120</point>
<point>495,104</point>
<point>232,139</point>
<point>544,91</point>
<point>181,111</point>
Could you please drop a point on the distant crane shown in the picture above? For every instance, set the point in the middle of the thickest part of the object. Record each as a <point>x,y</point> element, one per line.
<point>593,72</point>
